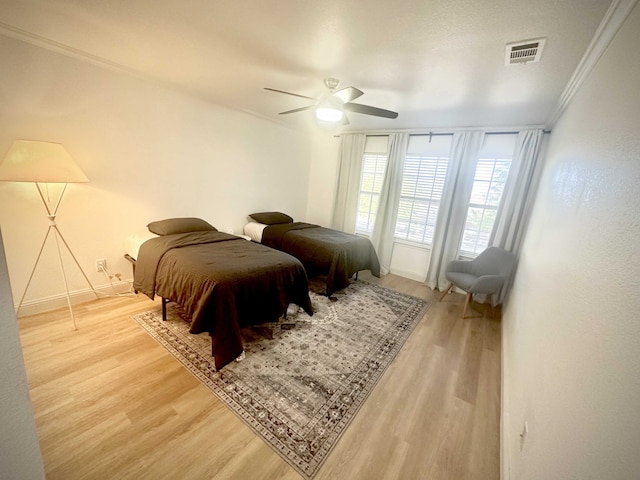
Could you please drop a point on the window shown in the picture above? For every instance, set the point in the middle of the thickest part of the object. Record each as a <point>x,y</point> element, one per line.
<point>492,171</point>
<point>373,168</point>
<point>422,184</point>
<point>423,177</point>
<point>374,164</point>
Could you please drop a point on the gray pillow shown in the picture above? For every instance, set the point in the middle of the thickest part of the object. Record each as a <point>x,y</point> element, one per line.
<point>179,225</point>
<point>271,218</point>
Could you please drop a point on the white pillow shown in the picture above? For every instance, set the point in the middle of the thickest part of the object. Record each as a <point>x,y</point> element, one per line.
<point>254,230</point>
<point>134,241</point>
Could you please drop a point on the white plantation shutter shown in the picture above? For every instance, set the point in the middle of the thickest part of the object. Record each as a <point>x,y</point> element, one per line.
<point>374,164</point>
<point>373,168</point>
<point>423,178</point>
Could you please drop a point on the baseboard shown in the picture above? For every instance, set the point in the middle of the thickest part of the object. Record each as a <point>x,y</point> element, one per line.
<point>54,302</point>
<point>505,438</point>
<point>505,454</point>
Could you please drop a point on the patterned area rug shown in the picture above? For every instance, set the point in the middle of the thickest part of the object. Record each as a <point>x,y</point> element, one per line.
<point>302,379</point>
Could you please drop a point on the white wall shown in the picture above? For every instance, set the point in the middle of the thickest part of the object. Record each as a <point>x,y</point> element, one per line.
<point>149,152</point>
<point>571,329</point>
<point>19,449</point>
<point>323,176</point>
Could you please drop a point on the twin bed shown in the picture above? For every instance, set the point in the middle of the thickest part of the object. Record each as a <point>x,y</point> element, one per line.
<point>225,282</point>
<point>335,255</point>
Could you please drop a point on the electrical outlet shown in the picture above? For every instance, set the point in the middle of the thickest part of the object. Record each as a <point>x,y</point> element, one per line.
<point>101,265</point>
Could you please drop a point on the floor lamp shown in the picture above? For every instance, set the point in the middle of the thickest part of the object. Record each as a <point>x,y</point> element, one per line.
<point>45,162</point>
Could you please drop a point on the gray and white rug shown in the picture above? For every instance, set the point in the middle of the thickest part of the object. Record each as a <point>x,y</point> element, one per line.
<point>302,379</point>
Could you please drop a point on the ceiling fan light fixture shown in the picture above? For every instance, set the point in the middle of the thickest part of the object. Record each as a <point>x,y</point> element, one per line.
<point>329,109</point>
<point>329,114</point>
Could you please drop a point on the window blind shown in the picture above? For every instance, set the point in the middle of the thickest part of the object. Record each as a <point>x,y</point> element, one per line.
<point>374,164</point>
<point>423,177</point>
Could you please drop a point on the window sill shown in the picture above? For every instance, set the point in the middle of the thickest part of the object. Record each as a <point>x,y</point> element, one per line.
<point>409,243</point>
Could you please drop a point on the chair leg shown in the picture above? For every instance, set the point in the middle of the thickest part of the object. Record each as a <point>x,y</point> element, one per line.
<point>446,292</point>
<point>466,303</point>
<point>493,311</point>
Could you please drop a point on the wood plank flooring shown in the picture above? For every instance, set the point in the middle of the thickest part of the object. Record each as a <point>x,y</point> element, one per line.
<point>112,403</point>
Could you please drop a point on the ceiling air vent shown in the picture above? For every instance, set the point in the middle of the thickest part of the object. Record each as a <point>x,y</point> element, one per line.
<point>527,51</point>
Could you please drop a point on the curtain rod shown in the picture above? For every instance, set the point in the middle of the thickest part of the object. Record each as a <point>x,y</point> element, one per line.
<point>439,134</point>
<point>435,132</point>
<point>445,134</point>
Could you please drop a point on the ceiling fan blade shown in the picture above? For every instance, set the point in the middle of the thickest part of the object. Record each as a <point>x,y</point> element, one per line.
<point>302,109</point>
<point>367,110</point>
<point>347,94</point>
<point>288,93</point>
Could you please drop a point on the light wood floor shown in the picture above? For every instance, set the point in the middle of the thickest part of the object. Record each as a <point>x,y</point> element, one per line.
<point>111,403</point>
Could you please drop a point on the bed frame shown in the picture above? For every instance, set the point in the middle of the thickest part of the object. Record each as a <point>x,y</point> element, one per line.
<point>164,300</point>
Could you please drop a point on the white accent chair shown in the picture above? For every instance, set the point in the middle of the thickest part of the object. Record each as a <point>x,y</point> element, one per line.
<point>485,274</point>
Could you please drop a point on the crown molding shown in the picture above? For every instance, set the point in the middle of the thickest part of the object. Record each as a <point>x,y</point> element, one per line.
<point>613,19</point>
<point>52,45</point>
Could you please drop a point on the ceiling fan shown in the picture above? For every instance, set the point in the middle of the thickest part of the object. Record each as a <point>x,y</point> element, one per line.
<point>330,106</point>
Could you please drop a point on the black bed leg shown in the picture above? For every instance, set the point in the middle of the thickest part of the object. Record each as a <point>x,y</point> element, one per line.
<point>357,275</point>
<point>164,308</point>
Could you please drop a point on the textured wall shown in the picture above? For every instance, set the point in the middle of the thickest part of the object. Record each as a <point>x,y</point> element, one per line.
<point>149,152</point>
<point>571,330</point>
<point>19,449</point>
<point>323,178</point>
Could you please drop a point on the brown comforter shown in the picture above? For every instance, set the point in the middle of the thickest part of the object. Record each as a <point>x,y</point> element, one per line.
<point>324,251</point>
<point>224,282</point>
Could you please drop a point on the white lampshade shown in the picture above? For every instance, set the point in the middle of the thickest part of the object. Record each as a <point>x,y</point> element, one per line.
<point>41,162</point>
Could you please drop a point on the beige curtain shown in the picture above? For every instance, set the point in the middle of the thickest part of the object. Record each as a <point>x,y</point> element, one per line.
<point>515,207</point>
<point>453,206</point>
<point>345,205</point>
<point>385,224</point>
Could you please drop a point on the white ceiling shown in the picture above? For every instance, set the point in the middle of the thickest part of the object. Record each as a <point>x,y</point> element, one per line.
<point>439,63</point>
